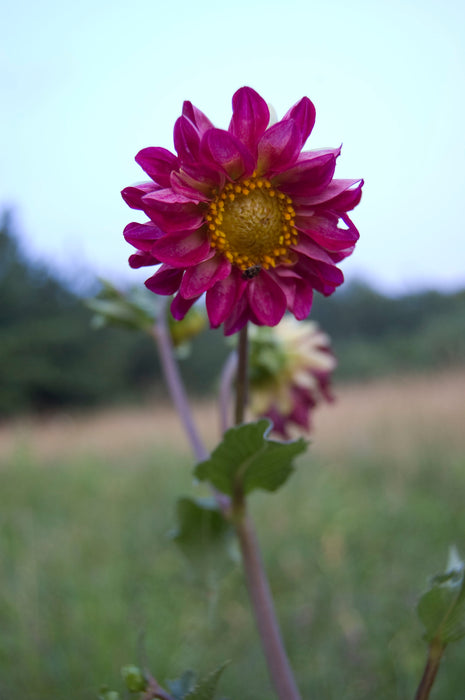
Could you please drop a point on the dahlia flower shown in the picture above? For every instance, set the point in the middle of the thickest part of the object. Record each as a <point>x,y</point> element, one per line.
<point>242,215</point>
<point>290,368</point>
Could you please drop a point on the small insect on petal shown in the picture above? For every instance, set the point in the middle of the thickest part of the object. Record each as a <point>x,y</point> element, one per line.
<point>251,272</point>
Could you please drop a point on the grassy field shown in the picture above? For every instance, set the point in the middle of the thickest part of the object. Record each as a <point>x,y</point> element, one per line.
<point>90,581</point>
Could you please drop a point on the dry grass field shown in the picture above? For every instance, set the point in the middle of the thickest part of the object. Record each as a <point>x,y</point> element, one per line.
<point>389,415</point>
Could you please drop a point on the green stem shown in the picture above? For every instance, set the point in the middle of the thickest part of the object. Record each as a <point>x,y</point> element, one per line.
<point>242,376</point>
<point>435,653</point>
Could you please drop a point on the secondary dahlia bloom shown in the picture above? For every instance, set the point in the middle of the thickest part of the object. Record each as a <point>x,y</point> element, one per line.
<point>243,215</point>
<point>290,368</point>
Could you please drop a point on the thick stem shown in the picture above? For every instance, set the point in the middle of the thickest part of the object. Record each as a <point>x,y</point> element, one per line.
<point>262,602</point>
<point>435,652</point>
<point>257,584</point>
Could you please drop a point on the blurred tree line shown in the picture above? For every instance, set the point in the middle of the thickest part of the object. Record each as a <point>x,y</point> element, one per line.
<point>51,356</point>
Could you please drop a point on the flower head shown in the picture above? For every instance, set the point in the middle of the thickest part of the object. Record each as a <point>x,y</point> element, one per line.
<point>243,215</point>
<point>290,368</point>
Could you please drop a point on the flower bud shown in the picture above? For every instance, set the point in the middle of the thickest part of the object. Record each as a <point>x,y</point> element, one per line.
<point>290,367</point>
<point>134,678</point>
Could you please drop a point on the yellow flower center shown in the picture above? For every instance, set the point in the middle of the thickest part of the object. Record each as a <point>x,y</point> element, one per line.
<point>252,224</point>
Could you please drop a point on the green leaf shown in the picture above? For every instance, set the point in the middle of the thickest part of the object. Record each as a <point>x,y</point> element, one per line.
<point>205,689</point>
<point>202,533</point>
<point>180,687</point>
<point>133,309</point>
<point>442,608</point>
<point>247,460</point>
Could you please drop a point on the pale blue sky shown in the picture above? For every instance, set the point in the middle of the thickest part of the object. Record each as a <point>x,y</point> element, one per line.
<point>84,86</point>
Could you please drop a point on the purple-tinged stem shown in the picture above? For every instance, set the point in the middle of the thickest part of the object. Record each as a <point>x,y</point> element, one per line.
<point>162,337</point>
<point>262,603</point>
<point>435,652</point>
<point>154,690</point>
<point>257,583</point>
<point>178,394</point>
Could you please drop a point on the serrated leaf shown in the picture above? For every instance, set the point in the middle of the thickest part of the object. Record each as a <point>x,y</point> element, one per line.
<point>180,687</point>
<point>247,460</point>
<point>205,689</point>
<point>202,533</point>
<point>442,608</point>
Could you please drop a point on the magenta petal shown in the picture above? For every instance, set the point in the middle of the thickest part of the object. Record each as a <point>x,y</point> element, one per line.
<point>182,249</point>
<point>307,247</point>
<point>267,300</point>
<point>303,402</point>
<point>347,200</point>
<point>303,114</point>
<point>198,279</point>
<point>180,306</point>
<point>142,236</point>
<point>158,164</point>
<point>223,149</point>
<point>322,277</point>
<point>197,117</point>
<point>298,291</point>
<point>324,231</point>
<point>303,300</point>
<point>133,195</point>
<point>341,254</point>
<point>141,259</point>
<point>180,185</point>
<point>172,211</point>
<point>336,195</point>
<point>240,314</point>
<point>186,140</point>
<point>165,281</point>
<point>202,177</point>
<point>250,117</point>
<point>278,147</point>
<point>311,174</point>
<point>222,297</point>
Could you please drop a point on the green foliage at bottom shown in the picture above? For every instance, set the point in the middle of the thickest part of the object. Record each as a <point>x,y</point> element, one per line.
<point>90,581</point>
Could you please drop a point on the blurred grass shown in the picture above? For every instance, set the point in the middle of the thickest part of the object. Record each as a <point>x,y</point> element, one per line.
<point>89,580</point>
